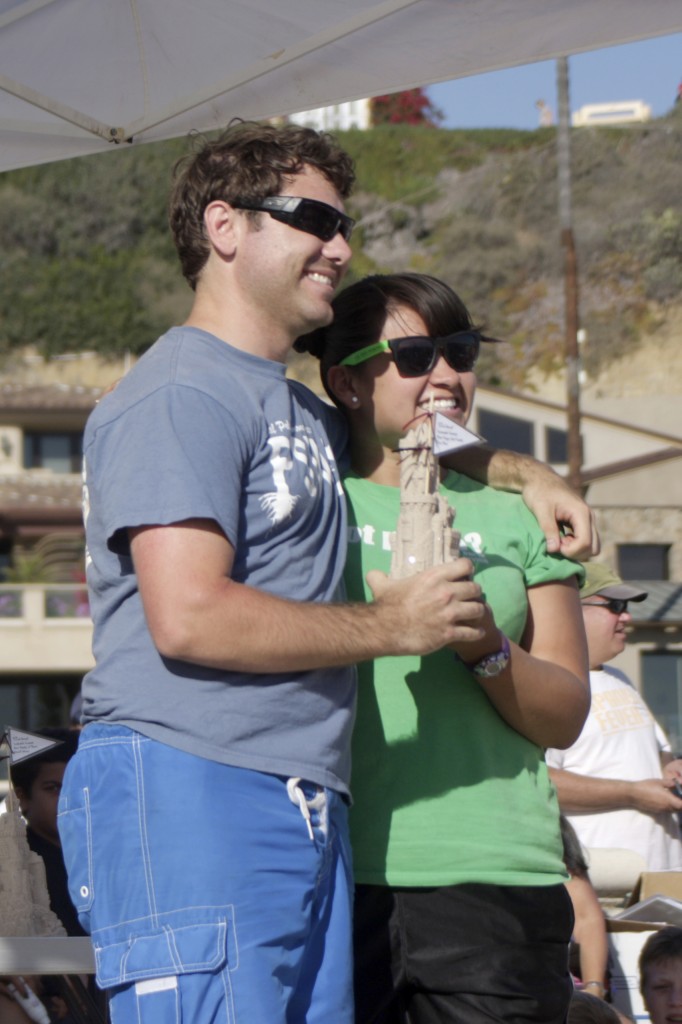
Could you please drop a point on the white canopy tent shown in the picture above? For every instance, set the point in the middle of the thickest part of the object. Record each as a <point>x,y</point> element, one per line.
<point>79,76</point>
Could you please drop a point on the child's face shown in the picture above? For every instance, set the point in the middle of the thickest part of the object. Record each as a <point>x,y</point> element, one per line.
<point>40,806</point>
<point>662,991</point>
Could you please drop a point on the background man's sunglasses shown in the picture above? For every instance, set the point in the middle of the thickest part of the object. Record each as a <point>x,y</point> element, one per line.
<point>308,215</point>
<point>417,356</point>
<point>617,605</point>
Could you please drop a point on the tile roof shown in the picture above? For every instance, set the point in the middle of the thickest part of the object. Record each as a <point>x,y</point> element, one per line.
<point>663,604</point>
<point>17,397</point>
<point>42,490</point>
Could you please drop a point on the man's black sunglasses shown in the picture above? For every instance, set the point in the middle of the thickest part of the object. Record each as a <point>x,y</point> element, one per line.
<point>308,215</point>
<point>417,356</point>
<point>617,605</point>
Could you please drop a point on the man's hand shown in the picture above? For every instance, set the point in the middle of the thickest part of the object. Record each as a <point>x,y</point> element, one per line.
<point>432,609</point>
<point>567,522</point>
<point>653,796</point>
<point>672,770</point>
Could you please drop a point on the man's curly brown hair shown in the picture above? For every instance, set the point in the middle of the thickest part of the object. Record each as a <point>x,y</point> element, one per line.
<point>248,162</point>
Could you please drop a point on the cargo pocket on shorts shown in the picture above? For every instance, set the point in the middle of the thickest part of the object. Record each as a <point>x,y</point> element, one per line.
<point>182,943</point>
<point>75,833</point>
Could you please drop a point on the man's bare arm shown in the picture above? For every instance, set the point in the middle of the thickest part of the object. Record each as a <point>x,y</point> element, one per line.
<point>195,612</point>
<point>587,794</point>
<point>567,522</point>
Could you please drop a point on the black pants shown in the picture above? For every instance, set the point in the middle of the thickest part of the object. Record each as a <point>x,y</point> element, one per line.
<point>464,954</point>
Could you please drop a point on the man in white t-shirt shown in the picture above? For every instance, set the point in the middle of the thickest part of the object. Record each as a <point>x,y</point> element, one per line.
<point>616,784</point>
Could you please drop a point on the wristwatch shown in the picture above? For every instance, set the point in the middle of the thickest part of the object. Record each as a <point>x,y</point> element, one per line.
<point>490,665</point>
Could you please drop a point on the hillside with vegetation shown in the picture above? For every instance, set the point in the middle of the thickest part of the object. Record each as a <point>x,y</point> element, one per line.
<point>87,263</point>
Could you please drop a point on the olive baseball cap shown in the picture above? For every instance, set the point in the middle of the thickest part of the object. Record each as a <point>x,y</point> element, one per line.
<point>601,579</point>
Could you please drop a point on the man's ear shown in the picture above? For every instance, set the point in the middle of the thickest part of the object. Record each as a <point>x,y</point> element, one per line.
<point>341,383</point>
<point>220,221</point>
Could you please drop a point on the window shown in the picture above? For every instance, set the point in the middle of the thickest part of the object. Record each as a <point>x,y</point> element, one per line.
<point>34,701</point>
<point>59,452</point>
<point>643,561</point>
<point>5,558</point>
<point>556,445</point>
<point>506,432</point>
<point>662,691</point>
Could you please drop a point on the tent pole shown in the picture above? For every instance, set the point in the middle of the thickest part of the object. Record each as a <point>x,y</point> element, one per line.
<point>571,304</point>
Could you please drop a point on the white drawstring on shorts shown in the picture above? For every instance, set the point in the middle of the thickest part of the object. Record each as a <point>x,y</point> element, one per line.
<point>298,797</point>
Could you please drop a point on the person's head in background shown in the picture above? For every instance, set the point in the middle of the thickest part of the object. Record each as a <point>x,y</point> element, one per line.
<point>604,599</point>
<point>660,975</point>
<point>37,782</point>
<point>587,1009</point>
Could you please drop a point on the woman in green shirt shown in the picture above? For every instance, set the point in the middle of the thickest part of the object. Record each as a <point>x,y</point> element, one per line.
<point>461,911</point>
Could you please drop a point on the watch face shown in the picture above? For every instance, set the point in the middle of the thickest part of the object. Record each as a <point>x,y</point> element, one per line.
<point>497,664</point>
<point>493,664</point>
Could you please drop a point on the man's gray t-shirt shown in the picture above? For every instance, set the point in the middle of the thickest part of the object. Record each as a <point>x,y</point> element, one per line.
<point>199,429</point>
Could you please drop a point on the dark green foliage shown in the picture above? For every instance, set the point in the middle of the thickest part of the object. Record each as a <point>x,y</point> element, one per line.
<point>87,262</point>
<point>86,257</point>
<point>403,161</point>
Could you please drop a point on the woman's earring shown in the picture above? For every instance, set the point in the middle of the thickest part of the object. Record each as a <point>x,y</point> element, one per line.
<point>354,399</point>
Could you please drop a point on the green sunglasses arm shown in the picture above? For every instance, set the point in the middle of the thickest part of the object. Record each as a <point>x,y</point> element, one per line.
<point>363,354</point>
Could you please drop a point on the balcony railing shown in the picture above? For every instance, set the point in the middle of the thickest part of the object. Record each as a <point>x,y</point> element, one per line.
<point>37,601</point>
<point>45,628</point>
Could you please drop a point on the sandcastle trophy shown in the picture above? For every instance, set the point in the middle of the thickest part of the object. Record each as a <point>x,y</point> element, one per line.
<point>425,535</point>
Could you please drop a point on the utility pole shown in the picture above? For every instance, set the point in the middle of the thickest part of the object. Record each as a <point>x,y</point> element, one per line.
<point>571,317</point>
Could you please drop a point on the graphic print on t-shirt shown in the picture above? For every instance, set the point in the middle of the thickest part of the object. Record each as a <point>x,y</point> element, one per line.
<point>303,449</point>
<point>618,710</point>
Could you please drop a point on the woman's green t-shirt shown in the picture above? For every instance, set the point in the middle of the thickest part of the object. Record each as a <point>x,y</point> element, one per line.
<point>444,790</point>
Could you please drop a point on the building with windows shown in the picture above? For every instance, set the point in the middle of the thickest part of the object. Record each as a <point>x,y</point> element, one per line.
<point>339,117</point>
<point>620,112</point>
<point>45,628</point>
<point>633,481</point>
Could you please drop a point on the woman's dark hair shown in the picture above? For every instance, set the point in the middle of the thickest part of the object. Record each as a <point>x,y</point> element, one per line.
<point>361,310</point>
<point>573,855</point>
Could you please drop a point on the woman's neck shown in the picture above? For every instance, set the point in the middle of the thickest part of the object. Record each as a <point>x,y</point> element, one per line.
<point>372,461</point>
<point>376,463</point>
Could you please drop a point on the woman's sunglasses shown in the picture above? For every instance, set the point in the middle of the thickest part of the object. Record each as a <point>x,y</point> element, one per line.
<point>417,356</point>
<point>308,215</point>
<point>616,605</point>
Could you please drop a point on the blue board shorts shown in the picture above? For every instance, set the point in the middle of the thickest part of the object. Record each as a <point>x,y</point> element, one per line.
<point>211,893</point>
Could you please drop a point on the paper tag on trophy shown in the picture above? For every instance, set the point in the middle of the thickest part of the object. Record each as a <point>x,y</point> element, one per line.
<point>449,436</point>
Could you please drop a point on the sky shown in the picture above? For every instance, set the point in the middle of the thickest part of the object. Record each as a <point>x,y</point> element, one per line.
<point>650,70</point>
